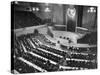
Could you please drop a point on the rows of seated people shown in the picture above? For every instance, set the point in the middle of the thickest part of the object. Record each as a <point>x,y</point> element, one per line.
<point>62,52</point>
<point>79,49</point>
<point>40,37</point>
<point>37,61</point>
<point>80,64</point>
<point>20,67</point>
<point>73,55</point>
<point>24,45</point>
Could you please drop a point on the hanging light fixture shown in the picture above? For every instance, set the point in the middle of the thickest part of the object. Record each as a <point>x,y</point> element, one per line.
<point>33,8</point>
<point>47,9</point>
<point>37,9</point>
<point>16,2</point>
<point>91,10</point>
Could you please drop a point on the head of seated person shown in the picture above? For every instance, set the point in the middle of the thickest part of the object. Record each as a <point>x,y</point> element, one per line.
<point>60,36</point>
<point>36,32</point>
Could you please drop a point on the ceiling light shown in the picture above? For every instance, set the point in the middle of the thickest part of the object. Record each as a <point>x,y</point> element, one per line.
<point>91,9</point>
<point>33,9</point>
<point>47,9</point>
<point>16,2</point>
<point>37,9</point>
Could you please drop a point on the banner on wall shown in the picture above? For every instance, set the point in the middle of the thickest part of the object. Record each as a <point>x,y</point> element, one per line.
<point>71,20</point>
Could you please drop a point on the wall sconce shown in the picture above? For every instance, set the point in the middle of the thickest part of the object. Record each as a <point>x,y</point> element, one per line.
<point>16,2</point>
<point>35,9</point>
